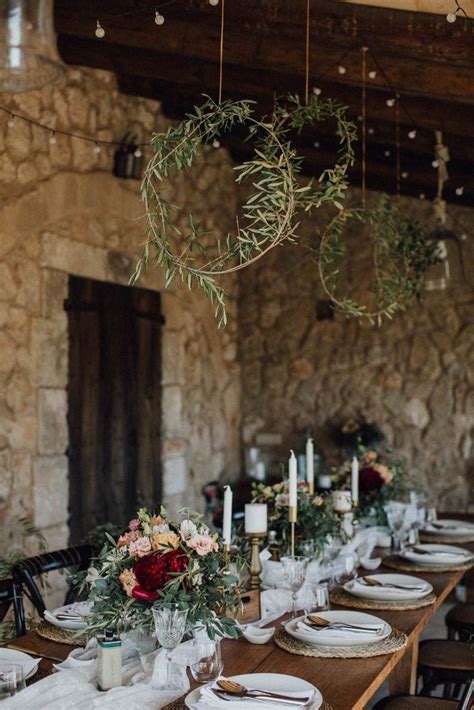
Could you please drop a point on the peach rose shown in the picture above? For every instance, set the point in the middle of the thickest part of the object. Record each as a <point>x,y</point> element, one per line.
<point>164,541</point>
<point>370,456</point>
<point>128,538</point>
<point>385,474</point>
<point>203,544</point>
<point>318,501</point>
<point>128,581</point>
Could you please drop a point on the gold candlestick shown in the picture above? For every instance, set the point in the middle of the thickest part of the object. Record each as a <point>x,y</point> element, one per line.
<point>311,489</point>
<point>226,548</point>
<point>293,516</point>
<point>255,564</point>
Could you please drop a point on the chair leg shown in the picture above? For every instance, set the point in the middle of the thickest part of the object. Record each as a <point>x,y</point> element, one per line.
<point>448,691</point>
<point>19,610</point>
<point>451,634</point>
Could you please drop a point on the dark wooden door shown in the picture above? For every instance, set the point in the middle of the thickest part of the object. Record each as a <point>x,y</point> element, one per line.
<point>114,402</point>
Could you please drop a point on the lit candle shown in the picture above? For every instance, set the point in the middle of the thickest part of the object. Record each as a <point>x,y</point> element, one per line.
<point>293,477</point>
<point>355,480</point>
<point>310,464</point>
<point>256,518</point>
<point>227,517</point>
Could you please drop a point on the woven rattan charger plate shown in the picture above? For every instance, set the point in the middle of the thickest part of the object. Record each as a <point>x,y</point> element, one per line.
<point>396,562</point>
<point>179,705</point>
<point>54,633</point>
<point>396,641</point>
<point>343,598</point>
<point>445,540</point>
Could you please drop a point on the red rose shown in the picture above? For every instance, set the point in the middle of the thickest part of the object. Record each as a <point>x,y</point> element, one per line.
<point>370,480</point>
<point>154,571</point>
<point>143,596</point>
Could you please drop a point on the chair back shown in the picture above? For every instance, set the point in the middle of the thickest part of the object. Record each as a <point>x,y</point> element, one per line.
<point>6,596</point>
<point>24,576</point>
<point>467,697</point>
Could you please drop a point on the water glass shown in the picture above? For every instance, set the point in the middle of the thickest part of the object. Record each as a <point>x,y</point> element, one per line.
<point>294,570</point>
<point>170,625</point>
<point>208,664</point>
<point>319,599</point>
<point>346,568</point>
<point>12,679</point>
<point>431,515</point>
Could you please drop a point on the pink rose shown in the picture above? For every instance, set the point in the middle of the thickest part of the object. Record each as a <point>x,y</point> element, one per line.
<point>140,547</point>
<point>203,544</point>
<point>127,538</point>
<point>370,456</point>
<point>134,524</point>
<point>385,474</point>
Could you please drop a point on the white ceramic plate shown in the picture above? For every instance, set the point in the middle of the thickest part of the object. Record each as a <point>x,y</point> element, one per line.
<point>29,664</point>
<point>379,594</point>
<point>349,617</point>
<point>451,528</point>
<point>82,608</point>
<point>277,682</point>
<point>453,556</point>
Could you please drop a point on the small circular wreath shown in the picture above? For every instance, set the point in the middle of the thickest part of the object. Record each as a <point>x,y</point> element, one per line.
<point>401,255</point>
<point>268,213</point>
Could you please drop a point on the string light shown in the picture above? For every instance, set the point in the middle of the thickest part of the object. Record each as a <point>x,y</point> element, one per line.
<point>216,143</point>
<point>97,148</point>
<point>138,153</point>
<point>451,17</point>
<point>387,153</point>
<point>316,144</point>
<point>422,195</point>
<point>372,74</point>
<point>404,175</point>
<point>435,164</point>
<point>11,121</point>
<point>159,19</point>
<point>371,131</point>
<point>52,138</point>
<point>390,103</point>
<point>99,30</point>
<point>460,191</point>
<point>213,2</point>
<point>316,90</point>
<point>341,69</point>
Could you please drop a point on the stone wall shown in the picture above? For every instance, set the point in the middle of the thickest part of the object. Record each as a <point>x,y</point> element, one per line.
<point>413,376</point>
<point>62,212</point>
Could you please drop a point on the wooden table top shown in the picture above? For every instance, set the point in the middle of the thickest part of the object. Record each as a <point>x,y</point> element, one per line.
<point>344,683</point>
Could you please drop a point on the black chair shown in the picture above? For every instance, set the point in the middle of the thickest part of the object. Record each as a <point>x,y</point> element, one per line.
<point>460,622</point>
<point>25,572</point>
<point>6,596</point>
<point>415,702</point>
<point>447,663</point>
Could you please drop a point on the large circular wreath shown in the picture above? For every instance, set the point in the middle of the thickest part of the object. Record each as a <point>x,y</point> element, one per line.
<point>269,214</point>
<point>401,255</point>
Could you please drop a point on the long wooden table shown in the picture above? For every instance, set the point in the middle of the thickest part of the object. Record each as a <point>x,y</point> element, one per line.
<point>344,683</point>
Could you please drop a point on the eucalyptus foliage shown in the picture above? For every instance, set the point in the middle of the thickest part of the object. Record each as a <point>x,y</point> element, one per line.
<point>270,214</point>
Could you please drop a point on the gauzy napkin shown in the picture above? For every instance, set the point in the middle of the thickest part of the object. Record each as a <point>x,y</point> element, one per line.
<point>209,700</point>
<point>317,634</point>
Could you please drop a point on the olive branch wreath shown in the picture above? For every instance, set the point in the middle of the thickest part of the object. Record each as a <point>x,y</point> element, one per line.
<point>401,252</point>
<point>269,213</point>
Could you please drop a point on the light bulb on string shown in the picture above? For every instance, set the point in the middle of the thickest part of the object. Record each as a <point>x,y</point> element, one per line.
<point>404,175</point>
<point>316,90</point>
<point>99,30</point>
<point>138,153</point>
<point>216,143</point>
<point>316,144</point>
<point>341,69</point>
<point>213,2</point>
<point>371,131</point>
<point>412,134</point>
<point>422,196</point>
<point>390,103</point>
<point>52,138</point>
<point>360,118</point>
<point>11,121</point>
<point>159,19</point>
<point>435,164</point>
<point>97,148</point>
<point>387,153</point>
<point>372,74</point>
<point>451,17</point>
<point>460,191</point>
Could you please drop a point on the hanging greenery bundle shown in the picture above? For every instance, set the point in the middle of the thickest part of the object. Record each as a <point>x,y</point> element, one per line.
<point>269,213</point>
<point>401,255</point>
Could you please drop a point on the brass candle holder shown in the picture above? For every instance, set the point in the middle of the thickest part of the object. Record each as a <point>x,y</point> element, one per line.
<point>255,564</point>
<point>226,549</point>
<point>293,516</point>
<point>311,489</point>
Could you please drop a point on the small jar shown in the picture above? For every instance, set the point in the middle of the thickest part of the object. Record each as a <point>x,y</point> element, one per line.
<point>109,660</point>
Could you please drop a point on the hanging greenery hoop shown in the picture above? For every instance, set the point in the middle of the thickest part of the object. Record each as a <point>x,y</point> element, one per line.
<point>401,255</point>
<point>269,213</point>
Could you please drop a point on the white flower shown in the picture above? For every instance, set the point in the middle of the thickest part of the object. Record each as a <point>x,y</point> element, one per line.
<point>195,574</point>
<point>188,530</point>
<point>93,575</point>
<point>162,528</point>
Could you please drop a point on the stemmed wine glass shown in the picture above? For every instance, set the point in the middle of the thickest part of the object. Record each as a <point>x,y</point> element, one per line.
<point>170,625</point>
<point>294,569</point>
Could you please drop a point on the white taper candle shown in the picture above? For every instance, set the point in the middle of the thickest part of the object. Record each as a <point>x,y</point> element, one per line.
<point>293,480</point>
<point>355,480</point>
<point>227,516</point>
<point>310,462</point>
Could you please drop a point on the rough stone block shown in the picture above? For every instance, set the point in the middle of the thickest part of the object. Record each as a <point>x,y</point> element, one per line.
<point>172,411</point>
<point>49,352</point>
<point>51,490</point>
<point>53,432</point>
<point>175,476</point>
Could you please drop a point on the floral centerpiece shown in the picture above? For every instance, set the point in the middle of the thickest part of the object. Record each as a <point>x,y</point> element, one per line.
<point>158,562</point>
<point>381,478</point>
<point>316,520</point>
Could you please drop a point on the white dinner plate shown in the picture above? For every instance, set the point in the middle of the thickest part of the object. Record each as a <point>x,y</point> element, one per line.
<point>29,664</point>
<point>357,588</point>
<point>454,555</point>
<point>81,608</point>
<point>450,528</point>
<point>340,640</point>
<point>276,682</point>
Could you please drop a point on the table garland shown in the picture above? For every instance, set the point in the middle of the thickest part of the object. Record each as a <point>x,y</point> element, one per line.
<point>402,254</point>
<point>269,213</point>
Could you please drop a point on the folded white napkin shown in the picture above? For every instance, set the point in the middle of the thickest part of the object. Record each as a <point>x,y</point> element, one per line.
<point>208,699</point>
<point>334,633</point>
<point>361,587</point>
<point>28,664</point>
